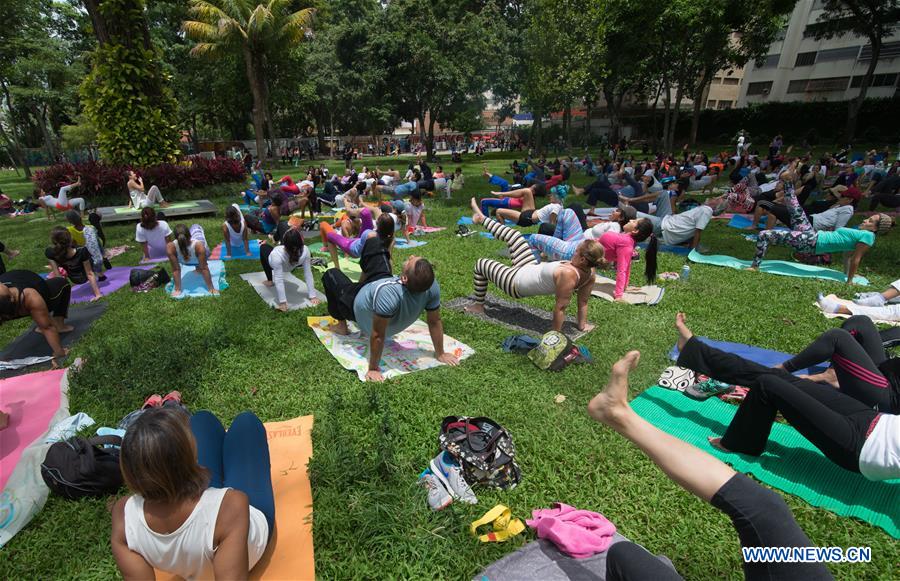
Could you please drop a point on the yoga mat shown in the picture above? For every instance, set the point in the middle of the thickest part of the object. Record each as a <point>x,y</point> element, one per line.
<point>31,344</point>
<point>790,463</point>
<point>766,357</point>
<point>425,230</point>
<point>540,560</point>
<point>780,267</point>
<point>116,278</point>
<point>743,221</point>
<point>645,295</point>
<point>403,353</point>
<point>174,206</point>
<point>289,554</point>
<point>294,291</point>
<point>465,220</point>
<point>402,244</point>
<point>841,316</point>
<point>237,252</point>
<point>35,404</point>
<point>112,214</point>
<point>192,283</point>
<point>670,248</point>
<point>517,316</point>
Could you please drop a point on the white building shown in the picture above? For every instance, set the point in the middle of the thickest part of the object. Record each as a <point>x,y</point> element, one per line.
<point>800,68</point>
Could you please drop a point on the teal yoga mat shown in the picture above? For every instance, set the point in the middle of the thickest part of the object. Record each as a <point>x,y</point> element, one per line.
<point>781,267</point>
<point>790,463</point>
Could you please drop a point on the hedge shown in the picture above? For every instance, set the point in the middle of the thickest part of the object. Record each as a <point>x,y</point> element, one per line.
<point>103,181</point>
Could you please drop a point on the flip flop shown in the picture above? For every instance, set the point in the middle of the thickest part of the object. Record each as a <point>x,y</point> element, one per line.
<point>174,396</point>
<point>154,401</point>
<point>505,527</point>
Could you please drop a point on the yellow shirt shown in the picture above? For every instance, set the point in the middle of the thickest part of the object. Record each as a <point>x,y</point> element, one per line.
<point>77,235</point>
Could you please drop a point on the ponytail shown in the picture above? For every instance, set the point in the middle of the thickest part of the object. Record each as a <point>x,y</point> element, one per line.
<point>61,242</point>
<point>292,240</point>
<point>183,239</point>
<point>650,259</point>
<point>384,226</point>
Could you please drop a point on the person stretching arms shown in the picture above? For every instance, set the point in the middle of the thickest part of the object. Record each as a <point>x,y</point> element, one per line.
<point>759,516</point>
<point>528,278</point>
<point>285,257</point>
<point>189,247</point>
<point>234,231</point>
<point>70,262</point>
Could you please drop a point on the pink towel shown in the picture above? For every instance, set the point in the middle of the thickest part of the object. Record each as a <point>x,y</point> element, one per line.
<point>577,533</point>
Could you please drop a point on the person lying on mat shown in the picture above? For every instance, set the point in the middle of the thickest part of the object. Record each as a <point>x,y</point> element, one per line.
<point>528,278</point>
<point>850,433</point>
<point>384,228</point>
<point>138,198</point>
<point>513,199</point>
<point>189,247</point>
<point>620,217</point>
<point>265,220</point>
<point>87,236</point>
<point>383,305</point>
<point>760,516</point>
<point>69,261</point>
<point>285,257</point>
<point>860,366</point>
<point>874,305</point>
<point>234,231</point>
<point>202,504</point>
<point>617,247</point>
<point>24,293</point>
<point>528,215</point>
<point>153,235</point>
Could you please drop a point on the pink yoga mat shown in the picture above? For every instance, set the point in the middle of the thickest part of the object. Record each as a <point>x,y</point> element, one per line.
<point>30,400</point>
<point>116,278</point>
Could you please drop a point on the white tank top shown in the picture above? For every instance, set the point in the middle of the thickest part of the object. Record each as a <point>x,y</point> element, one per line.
<point>188,552</point>
<point>537,279</point>
<point>236,238</point>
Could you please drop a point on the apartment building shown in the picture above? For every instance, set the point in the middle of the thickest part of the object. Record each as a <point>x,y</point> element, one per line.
<point>800,68</point>
<point>724,89</point>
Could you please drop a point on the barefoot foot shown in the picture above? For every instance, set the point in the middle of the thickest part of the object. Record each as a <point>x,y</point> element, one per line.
<point>477,216</point>
<point>610,406</point>
<point>268,283</point>
<point>684,334</point>
<point>65,329</point>
<point>475,309</point>
<point>717,444</point>
<point>340,328</point>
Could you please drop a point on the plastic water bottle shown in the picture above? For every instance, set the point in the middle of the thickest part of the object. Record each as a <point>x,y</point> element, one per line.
<point>685,272</point>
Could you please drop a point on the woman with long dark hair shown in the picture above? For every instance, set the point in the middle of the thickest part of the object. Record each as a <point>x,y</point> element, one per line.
<point>290,254</point>
<point>235,232</point>
<point>153,234</point>
<point>190,247</point>
<point>70,262</point>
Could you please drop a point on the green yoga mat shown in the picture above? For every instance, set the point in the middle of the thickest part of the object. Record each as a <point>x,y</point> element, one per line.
<point>781,267</point>
<point>173,206</point>
<point>790,463</point>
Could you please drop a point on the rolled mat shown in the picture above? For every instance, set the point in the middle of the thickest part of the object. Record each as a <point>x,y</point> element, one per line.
<point>31,344</point>
<point>517,316</point>
<point>237,252</point>
<point>405,352</point>
<point>294,290</point>
<point>779,267</point>
<point>289,554</point>
<point>604,288</point>
<point>766,357</point>
<point>848,303</point>
<point>790,463</point>
<point>192,283</point>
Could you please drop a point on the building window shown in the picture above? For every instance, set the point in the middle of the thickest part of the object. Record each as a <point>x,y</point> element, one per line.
<point>805,59</point>
<point>717,80</point>
<point>885,80</point>
<point>889,50</point>
<point>781,34</point>
<point>759,88</point>
<point>818,4</point>
<point>837,54</point>
<point>731,81</point>
<point>798,86</point>
<point>725,104</point>
<point>711,104</point>
<point>770,61</point>
<point>827,85</point>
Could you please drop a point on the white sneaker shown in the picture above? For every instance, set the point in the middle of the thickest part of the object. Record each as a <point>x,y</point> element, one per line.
<point>445,469</point>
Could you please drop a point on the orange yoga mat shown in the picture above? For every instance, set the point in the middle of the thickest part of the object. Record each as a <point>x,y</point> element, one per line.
<point>290,552</point>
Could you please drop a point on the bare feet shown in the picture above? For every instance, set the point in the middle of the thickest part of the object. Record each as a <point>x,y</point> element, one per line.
<point>64,328</point>
<point>828,376</point>
<point>164,204</point>
<point>684,334</point>
<point>340,328</point>
<point>475,309</point>
<point>485,171</point>
<point>610,406</point>
<point>477,216</point>
<point>717,444</point>
<point>268,283</point>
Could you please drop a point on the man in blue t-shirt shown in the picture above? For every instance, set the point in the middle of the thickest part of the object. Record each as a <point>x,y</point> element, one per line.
<point>382,308</point>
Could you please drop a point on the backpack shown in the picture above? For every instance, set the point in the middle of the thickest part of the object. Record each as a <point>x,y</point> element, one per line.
<point>79,467</point>
<point>555,351</point>
<point>144,280</point>
<point>484,450</point>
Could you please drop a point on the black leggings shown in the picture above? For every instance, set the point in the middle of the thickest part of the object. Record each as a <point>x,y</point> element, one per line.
<point>59,296</point>
<point>264,251</point>
<point>833,422</point>
<point>599,191</point>
<point>340,292</point>
<point>855,356</point>
<point>780,211</point>
<point>761,519</point>
<point>889,199</point>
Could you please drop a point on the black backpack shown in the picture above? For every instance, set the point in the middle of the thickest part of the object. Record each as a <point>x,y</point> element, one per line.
<point>79,467</point>
<point>143,280</point>
<point>484,450</point>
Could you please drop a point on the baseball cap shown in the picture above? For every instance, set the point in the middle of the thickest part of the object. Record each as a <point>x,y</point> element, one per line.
<point>628,211</point>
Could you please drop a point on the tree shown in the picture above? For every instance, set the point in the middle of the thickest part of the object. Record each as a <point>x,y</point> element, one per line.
<point>126,95</point>
<point>870,19</point>
<point>252,29</point>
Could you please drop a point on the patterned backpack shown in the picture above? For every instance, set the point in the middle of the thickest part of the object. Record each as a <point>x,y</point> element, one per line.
<point>484,450</point>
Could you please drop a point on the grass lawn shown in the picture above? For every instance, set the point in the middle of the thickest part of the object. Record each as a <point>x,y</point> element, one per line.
<point>371,441</point>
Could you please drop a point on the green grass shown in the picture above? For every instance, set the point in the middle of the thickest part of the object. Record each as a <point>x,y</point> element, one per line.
<point>371,441</point>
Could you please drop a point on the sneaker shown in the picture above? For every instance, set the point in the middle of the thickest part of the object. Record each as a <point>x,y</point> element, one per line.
<point>445,469</point>
<point>438,497</point>
<point>708,388</point>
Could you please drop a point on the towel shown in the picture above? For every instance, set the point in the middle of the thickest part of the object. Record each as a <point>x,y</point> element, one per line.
<point>577,533</point>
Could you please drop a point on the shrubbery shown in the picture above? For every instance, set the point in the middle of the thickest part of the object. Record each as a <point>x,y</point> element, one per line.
<point>100,180</point>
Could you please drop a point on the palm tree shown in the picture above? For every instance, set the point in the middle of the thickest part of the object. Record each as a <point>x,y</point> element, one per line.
<point>251,27</point>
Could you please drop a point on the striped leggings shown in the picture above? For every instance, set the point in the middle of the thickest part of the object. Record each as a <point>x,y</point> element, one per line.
<point>855,355</point>
<point>565,240</point>
<point>801,237</point>
<point>502,275</point>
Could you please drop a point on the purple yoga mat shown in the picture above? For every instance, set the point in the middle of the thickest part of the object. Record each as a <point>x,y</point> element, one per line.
<point>116,278</point>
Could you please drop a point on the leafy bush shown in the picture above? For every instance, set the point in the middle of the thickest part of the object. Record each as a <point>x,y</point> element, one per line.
<point>104,181</point>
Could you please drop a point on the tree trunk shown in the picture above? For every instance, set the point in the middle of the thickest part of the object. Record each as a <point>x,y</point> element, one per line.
<point>670,139</point>
<point>429,140</point>
<point>854,105</point>
<point>587,123</point>
<point>654,117</point>
<point>259,105</point>
<point>612,110</point>
<point>536,129</point>
<point>332,133</point>
<point>667,111</point>
<point>698,98</point>
<point>195,137</point>
<point>567,116</point>
<point>13,138</point>
<point>40,113</point>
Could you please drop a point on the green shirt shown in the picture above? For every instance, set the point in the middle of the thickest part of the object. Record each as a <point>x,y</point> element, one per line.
<point>842,240</point>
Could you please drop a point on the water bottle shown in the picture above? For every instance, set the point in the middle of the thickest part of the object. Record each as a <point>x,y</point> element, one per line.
<point>685,272</point>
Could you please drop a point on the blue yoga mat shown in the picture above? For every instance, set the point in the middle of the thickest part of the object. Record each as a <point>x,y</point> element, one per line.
<point>465,220</point>
<point>403,244</point>
<point>759,355</point>
<point>192,284</point>
<point>237,252</point>
<point>742,221</point>
<point>782,267</point>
